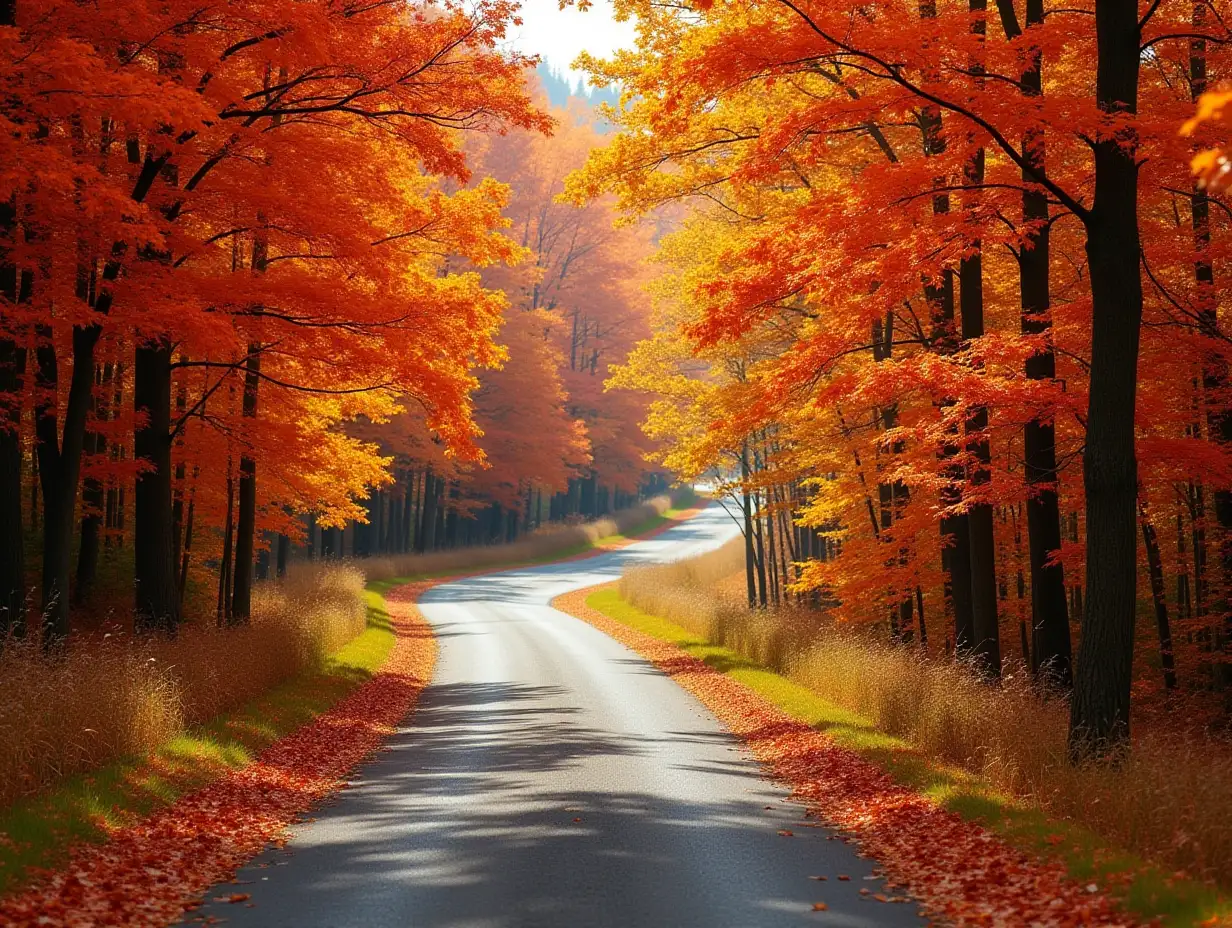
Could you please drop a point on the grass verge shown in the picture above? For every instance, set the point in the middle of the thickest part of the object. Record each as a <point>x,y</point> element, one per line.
<point>38,833</point>
<point>1141,888</point>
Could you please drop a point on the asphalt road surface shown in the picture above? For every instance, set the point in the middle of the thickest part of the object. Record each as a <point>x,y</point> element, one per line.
<point>535,719</point>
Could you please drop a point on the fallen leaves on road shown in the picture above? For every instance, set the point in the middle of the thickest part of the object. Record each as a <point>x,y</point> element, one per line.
<point>149,873</point>
<point>961,873</point>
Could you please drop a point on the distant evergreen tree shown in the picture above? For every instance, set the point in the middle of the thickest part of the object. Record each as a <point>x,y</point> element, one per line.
<point>556,86</point>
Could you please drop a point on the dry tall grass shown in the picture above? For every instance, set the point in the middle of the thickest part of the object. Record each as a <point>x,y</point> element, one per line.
<point>118,695</point>
<point>544,542</point>
<point>1171,801</point>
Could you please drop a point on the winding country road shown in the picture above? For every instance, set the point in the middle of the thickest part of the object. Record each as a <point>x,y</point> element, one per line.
<point>550,778</point>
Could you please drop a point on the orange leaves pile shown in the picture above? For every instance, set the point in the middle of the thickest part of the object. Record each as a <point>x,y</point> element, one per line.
<point>147,874</point>
<point>961,873</point>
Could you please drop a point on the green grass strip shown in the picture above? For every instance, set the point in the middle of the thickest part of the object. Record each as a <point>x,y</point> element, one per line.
<point>1139,886</point>
<point>39,832</point>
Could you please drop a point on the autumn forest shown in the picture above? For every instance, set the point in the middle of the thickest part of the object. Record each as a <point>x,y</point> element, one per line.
<point>310,309</point>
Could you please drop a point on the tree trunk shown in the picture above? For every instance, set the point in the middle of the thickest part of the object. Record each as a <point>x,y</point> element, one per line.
<point>1051,649</point>
<point>224,567</point>
<point>427,531</point>
<point>414,488</point>
<point>983,544</point>
<point>12,371</point>
<point>408,533</point>
<point>93,500</point>
<point>59,472</point>
<point>1099,717</point>
<point>747,512</point>
<point>1159,597</point>
<point>186,549</point>
<point>263,560</point>
<point>158,600</point>
<point>246,521</point>
<point>12,553</point>
<point>761,553</point>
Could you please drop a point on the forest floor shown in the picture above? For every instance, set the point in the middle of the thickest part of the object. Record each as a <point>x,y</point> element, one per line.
<point>807,742</point>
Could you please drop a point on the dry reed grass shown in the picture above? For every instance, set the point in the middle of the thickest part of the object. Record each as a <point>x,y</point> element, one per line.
<point>118,695</point>
<point>1170,801</point>
<point>548,541</point>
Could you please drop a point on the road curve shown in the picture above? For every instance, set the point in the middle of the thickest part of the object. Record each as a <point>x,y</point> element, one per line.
<point>550,778</point>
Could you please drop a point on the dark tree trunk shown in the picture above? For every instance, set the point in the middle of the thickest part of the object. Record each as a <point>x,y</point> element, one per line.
<point>179,487</point>
<point>158,600</point>
<point>263,562</point>
<point>12,553</point>
<point>12,370</point>
<point>395,518</point>
<point>439,533</point>
<point>427,531</point>
<point>408,509</point>
<point>331,547</point>
<point>1159,598</point>
<point>224,567</point>
<point>982,554</point>
<point>1215,370</point>
<point>186,550</point>
<point>1099,718</point>
<point>761,553</point>
<point>284,552</point>
<point>59,472</point>
<point>93,501</point>
<point>246,521</point>
<point>747,507</point>
<point>1051,649</point>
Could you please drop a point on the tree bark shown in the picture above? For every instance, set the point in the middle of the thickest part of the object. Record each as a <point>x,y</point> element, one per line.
<point>158,600</point>
<point>427,531</point>
<point>985,626</point>
<point>747,508</point>
<point>12,371</point>
<point>12,552</point>
<point>1159,597</point>
<point>186,549</point>
<point>93,499</point>
<point>246,521</point>
<point>60,470</point>
<point>1051,650</point>
<point>1099,716</point>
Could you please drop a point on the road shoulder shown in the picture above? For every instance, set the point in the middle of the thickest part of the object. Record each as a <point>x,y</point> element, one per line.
<point>961,873</point>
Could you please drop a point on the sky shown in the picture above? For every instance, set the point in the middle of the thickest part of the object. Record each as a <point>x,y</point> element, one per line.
<point>559,36</point>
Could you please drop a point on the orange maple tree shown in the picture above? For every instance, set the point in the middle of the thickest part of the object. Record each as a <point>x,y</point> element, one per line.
<point>958,309</point>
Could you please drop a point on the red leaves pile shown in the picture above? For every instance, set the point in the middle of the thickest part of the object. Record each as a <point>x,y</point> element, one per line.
<point>961,873</point>
<point>149,873</point>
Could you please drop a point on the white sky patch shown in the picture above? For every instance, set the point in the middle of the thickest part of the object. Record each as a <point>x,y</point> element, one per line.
<point>559,36</point>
